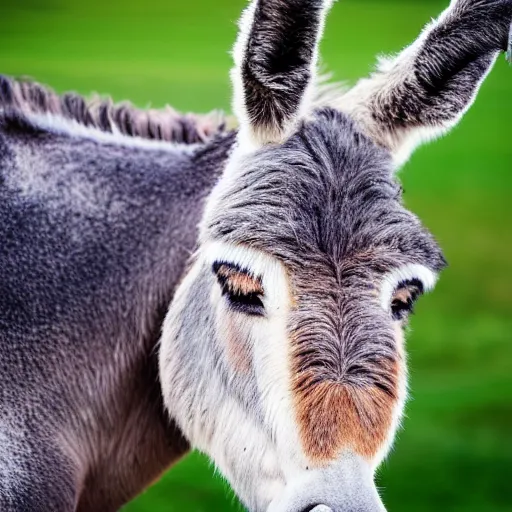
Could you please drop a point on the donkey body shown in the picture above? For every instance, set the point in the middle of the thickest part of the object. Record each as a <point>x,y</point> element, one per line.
<point>96,230</point>
<point>281,355</point>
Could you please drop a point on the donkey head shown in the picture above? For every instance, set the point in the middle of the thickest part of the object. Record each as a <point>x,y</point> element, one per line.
<point>282,355</point>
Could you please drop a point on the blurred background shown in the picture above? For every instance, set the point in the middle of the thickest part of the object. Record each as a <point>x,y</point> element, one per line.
<point>455,451</point>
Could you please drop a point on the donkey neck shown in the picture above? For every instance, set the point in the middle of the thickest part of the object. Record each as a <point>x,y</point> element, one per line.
<point>119,223</point>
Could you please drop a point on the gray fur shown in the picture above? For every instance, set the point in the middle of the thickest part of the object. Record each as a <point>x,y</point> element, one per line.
<point>94,239</point>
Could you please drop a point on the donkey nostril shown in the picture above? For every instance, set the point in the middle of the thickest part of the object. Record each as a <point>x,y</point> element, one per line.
<point>317,508</point>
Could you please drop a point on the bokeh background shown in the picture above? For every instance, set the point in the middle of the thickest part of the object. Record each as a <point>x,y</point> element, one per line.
<point>455,451</point>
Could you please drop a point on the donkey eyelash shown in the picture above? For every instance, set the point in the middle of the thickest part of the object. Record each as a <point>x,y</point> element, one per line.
<point>243,291</point>
<point>238,278</point>
<point>404,298</point>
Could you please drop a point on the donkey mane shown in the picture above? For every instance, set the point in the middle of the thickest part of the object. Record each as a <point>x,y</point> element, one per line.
<point>23,98</point>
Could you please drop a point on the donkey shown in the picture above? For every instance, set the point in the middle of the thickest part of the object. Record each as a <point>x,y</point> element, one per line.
<point>275,264</point>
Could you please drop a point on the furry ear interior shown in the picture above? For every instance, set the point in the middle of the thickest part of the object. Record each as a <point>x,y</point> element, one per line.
<point>428,87</point>
<point>275,65</point>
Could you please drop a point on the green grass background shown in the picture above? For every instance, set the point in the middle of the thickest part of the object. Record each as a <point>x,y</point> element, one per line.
<point>455,452</point>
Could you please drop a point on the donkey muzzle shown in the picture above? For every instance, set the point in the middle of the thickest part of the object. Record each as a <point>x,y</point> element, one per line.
<point>344,486</point>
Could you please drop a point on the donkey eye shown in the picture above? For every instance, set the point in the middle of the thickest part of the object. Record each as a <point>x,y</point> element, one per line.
<point>249,304</point>
<point>241,289</point>
<point>404,298</point>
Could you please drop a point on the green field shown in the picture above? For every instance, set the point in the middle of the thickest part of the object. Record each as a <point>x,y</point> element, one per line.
<point>455,452</point>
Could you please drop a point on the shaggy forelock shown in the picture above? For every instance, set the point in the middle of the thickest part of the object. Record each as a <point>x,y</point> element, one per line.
<point>326,196</point>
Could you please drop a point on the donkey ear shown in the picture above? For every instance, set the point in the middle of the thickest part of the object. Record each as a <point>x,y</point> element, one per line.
<point>427,88</point>
<point>275,65</point>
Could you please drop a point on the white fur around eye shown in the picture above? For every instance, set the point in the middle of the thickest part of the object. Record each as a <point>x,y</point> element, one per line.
<point>405,273</point>
<point>270,346</point>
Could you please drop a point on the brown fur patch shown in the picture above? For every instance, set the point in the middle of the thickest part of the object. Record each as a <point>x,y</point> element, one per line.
<point>334,415</point>
<point>237,349</point>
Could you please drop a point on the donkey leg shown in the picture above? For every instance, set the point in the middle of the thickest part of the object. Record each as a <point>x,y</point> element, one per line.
<point>35,476</point>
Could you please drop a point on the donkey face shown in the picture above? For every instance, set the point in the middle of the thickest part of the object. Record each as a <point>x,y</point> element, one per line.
<point>282,353</point>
